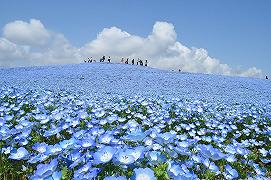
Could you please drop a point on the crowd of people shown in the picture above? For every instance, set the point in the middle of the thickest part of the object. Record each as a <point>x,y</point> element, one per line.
<point>103,59</point>
<point>138,62</point>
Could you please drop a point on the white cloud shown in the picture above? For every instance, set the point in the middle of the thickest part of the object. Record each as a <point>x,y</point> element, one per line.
<point>24,33</point>
<point>32,44</point>
<point>12,54</point>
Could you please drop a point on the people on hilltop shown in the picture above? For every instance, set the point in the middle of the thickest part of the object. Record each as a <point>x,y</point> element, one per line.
<point>139,61</point>
<point>266,77</point>
<point>102,59</point>
<point>127,61</point>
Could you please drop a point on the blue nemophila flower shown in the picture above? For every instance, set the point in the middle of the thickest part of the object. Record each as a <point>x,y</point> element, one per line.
<point>85,143</point>
<point>177,170</point>
<point>45,170</point>
<point>56,175</point>
<point>211,166</point>
<point>66,144</point>
<point>197,158</point>
<point>265,161</point>
<point>209,152</point>
<point>106,138</point>
<point>231,158</point>
<point>263,152</point>
<point>40,147</point>
<point>38,158</point>
<point>166,137</point>
<point>92,174</point>
<point>143,174</point>
<point>52,132</point>
<point>19,154</point>
<point>230,173</point>
<point>53,149</point>
<point>155,157</point>
<point>137,135</point>
<point>83,169</point>
<point>124,157</point>
<point>104,155</point>
<point>115,178</point>
<point>137,152</point>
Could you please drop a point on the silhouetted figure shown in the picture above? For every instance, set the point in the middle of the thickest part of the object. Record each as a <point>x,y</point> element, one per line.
<point>122,60</point>
<point>179,70</point>
<point>141,62</point>
<point>138,60</point>
<point>146,63</point>
<point>133,61</point>
<point>109,59</point>
<point>266,77</point>
<point>127,61</point>
<point>85,61</point>
<point>90,60</point>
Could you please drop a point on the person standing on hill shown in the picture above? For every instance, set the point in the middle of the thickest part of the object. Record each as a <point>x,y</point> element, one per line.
<point>122,60</point>
<point>146,63</point>
<point>266,77</point>
<point>133,61</point>
<point>127,61</point>
<point>109,59</point>
<point>138,61</point>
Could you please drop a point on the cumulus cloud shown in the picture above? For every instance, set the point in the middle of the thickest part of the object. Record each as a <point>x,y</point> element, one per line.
<point>162,50</point>
<point>32,44</point>
<point>24,33</point>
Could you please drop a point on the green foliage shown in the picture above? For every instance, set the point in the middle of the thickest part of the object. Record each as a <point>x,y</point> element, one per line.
<point>50,108</point>
<point>160,171</point>
<point>66,173</point>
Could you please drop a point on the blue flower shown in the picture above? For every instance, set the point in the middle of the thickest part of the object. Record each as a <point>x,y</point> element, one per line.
<point>19,154</point>
<point>115,178</point>
<point>45,170</point>
<point>40,147</point>
<point>38,158</point>
<point>53,149</point>
<point>230,172</point>
<point>85,143</point>
<point>134,136</point>
<point>83,169</point>
<point>143,174</point>
<point>104,155</point>
<point>137,152</point>
<point>105,138</point>
<point>67,144</point>
<point>211,166</point>
<point>124,157</point>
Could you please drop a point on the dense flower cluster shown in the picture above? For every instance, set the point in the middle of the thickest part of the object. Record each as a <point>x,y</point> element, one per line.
<point>102,81</point>
<point>52,135</point>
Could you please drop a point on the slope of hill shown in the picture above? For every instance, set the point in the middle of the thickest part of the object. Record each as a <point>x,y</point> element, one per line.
<point>73,131</point>
<point>98,80</point>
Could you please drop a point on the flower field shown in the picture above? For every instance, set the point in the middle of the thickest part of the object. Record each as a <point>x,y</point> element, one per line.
<point>49,134</point>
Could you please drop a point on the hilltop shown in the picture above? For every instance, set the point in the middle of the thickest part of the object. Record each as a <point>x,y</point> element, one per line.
<point>102,80</point>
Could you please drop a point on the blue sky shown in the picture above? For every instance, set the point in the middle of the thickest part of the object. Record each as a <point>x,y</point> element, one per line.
<point>237,32</point>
